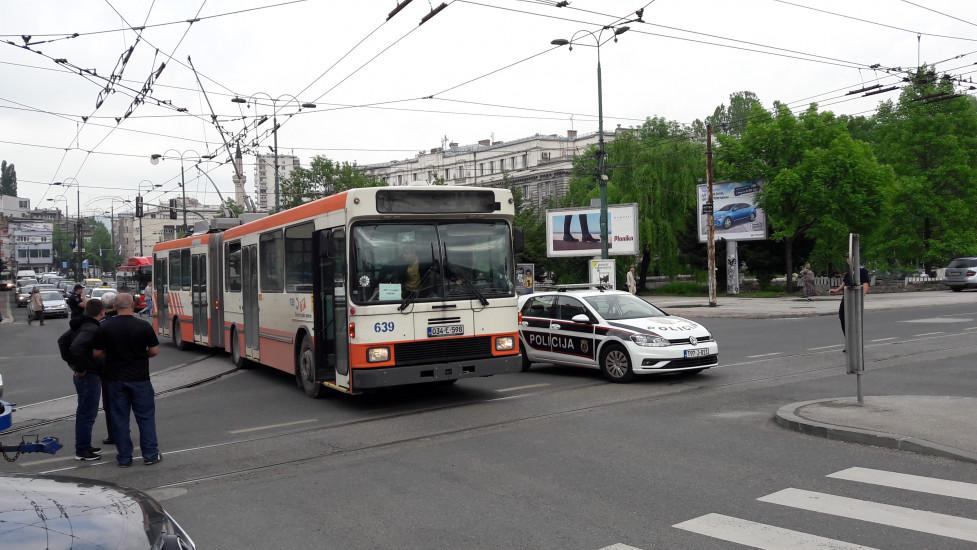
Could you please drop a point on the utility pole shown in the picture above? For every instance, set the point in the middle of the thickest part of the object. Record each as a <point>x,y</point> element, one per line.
<point>76,256</point>
<point>183,188</point>
<point>274,132</point>
<point>710,220</point>
<point>602,156</point>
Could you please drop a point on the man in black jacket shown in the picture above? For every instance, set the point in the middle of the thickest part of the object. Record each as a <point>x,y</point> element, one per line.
<point>76,302</point>
<point>87,378</point>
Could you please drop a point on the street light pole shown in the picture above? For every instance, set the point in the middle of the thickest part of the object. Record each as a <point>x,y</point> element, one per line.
<point>602,155</point>
<point>183,189</point>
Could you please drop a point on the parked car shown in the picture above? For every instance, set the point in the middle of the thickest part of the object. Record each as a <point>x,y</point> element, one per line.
<point>83,513</point>
<point>734,213</point>
<point>614,331</point>
<point>961,274</point>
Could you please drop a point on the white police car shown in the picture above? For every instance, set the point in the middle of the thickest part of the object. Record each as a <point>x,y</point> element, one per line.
<point>620,334</point>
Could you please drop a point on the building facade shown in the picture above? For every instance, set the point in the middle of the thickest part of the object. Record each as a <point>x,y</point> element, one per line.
<point>264,178</point>
<point>14,207</point>
<point>33,244</point>
<point>156,226</point>
<point>539,167</point>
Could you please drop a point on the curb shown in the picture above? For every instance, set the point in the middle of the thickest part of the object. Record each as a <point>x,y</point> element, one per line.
<point>787,417</point>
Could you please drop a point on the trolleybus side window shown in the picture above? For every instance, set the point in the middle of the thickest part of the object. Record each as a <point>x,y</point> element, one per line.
<point>176,276</point>
<point>298,258</point>
<point>185,268</point>
<point>233,274</point>
<point>271,262</point>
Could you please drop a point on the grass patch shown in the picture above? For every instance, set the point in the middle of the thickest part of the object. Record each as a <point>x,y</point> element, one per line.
<point>682,288</point>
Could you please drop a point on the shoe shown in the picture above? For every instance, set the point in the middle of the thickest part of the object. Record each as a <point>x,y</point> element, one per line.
<point>88,455</point>
<point>153,459</point>
<point>125,464</point>
<point>96,450</point>
<point>108,441</point>
<point>589,239</point>
<point>569,238</point>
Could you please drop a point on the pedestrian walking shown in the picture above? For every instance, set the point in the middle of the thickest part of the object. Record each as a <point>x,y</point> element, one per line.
<point>36,307</point>
<point>807,278</point>
<point>148,300</point>
<point>86,375</point>
<point>632,281</point>
<point>863,277</point>
<point>76,302</point>
<point>127,342</point>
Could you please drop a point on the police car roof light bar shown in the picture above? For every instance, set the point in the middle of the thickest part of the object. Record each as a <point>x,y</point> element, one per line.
<point>580,286</point>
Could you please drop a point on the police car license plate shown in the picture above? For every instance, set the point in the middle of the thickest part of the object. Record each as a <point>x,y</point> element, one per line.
<point>696,352</point>
<point>448,330</point>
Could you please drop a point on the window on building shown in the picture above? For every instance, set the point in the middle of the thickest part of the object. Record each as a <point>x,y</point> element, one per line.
<point>25,204</point>
<point>481,168</point>
<point>45,253</point>
<point>400,180</point>
<point>35,253</point>
<point>298,258</point>
<point>271,261</point>
<point>414,176</point>
<point>525,191</point>
<point>545,155</point>
<point>492,167</point>
<point>512,163</point>
<point>233,266</point>
<point>22,253</point>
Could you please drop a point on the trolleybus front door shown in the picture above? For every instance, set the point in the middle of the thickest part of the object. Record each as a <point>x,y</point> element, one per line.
<point>249,272</point>
<point>329,289</point>
<point>162,298</point>
<point>198,297</point>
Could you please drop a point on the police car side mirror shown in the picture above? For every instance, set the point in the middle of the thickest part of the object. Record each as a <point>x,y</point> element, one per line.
<point>581,318</point>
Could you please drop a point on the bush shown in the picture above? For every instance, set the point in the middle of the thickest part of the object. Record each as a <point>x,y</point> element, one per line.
<point>683,288</point>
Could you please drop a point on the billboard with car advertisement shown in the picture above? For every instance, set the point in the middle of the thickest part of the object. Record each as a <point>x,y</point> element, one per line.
<point>736,215</point>
<point>576,231</point>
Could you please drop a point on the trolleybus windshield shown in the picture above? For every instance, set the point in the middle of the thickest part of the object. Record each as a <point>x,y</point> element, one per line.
<point>431,261</point>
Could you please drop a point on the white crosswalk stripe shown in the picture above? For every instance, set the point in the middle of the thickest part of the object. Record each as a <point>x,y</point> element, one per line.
<point>920,484</point>
<point>874,512</point>
<point>760,535</point>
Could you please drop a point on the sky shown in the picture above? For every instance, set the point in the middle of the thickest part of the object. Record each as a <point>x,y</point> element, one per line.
<point>385,89</point>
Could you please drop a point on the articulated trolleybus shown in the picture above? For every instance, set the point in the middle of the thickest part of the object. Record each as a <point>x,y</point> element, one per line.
<point>363,289</point>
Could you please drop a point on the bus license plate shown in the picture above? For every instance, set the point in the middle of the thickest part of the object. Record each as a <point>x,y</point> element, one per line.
<point>696,352</point>
<point>449,330</point>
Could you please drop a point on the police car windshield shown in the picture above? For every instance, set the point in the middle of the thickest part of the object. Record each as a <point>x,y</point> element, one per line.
<point>614,307</point>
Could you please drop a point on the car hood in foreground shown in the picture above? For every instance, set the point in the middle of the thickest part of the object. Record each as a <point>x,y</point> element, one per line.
<point>65,512</point>
<point>670,327</point>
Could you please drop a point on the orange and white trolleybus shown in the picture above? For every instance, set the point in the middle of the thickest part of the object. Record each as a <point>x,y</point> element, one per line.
<point>363,289</point>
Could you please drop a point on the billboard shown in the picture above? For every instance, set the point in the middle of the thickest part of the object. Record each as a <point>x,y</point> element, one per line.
<point>736,214</point>
<point>525,278</point>
<point>603,272</point>
<point>576,231</point>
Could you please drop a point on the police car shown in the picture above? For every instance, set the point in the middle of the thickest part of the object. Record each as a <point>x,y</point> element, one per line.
<point>614,331</point>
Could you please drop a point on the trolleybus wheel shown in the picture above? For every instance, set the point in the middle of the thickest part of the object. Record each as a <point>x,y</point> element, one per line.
<point>616,364</point>
<point>237,359</point>
<point>178,336</point>
<point>305,370</point>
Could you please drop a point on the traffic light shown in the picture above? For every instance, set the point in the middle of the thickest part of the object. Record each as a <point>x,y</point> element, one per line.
<point>173,209</point>
<point>138,206</point>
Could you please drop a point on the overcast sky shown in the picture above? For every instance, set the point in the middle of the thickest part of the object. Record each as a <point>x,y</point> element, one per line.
<point>285,49</point>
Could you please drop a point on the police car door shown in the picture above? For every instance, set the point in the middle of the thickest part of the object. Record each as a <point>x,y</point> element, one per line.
<point>572,342</point>
<point>537,315</point>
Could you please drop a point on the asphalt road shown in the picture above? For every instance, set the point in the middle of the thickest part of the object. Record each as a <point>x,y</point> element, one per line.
<point>552,458</point>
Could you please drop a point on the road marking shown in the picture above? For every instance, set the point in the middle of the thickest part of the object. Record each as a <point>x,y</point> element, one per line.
<point>270,426</point>
<point>759,535</point>
<point>883,514</point>
<point>764,355</point>
<point>884,339</point>
<point>526,387</point>
<point>517,396</point>
<point>826,347</point>
<point>620,546</point>
<point>946,319</point>
<point>909,482</point>
<point>929,334</point>
<point>970,328</point>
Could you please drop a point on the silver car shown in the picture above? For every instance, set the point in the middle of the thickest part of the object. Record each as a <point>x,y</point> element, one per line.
<point>961,274</point>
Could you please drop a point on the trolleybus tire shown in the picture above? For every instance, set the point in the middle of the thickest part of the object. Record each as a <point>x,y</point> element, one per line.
<point>237,359</point>
<point>615,364</point>
<point>305,370</point>
<point>178,342</point>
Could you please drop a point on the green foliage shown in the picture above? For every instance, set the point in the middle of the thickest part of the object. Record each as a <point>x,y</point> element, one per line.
<point>98,248</point>
<point>8,179</point>
<point>233,207</point>
<point>323,177</point>
<point>683,288</point>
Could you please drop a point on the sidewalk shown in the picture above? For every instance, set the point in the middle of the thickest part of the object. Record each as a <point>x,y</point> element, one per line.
<point>935,425</point>
<point>772,308</point>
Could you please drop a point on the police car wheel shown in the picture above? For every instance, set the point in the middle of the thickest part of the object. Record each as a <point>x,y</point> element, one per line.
<point>616,364</point>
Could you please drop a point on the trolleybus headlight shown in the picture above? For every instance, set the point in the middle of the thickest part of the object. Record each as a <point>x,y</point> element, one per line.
<point>504,343</point>
<point>377,355</point>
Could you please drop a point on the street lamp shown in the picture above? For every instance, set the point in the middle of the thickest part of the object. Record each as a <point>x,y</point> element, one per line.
<point>76,252</point>
<point>141,214</point>
<point>274,129</point>
<point>155,158</point>
<point>618,30</point>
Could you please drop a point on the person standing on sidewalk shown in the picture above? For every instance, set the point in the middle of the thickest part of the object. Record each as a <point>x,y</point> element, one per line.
<point>807,277</point>
<point>36,307</point>
<point>632,281</point>
<point>87,377</point>
<point>863,277</point>
<point>76,303</point>
<point>108,302</point>
<point>127,343</point>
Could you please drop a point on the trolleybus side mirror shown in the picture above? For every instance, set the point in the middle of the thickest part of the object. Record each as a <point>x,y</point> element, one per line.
<point>518,240</point>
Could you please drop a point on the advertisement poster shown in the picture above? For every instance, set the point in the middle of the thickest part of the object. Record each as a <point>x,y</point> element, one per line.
<point>736,214</point>
<point>576,231</point>
<point>602,273</point>
<point>525,278</point>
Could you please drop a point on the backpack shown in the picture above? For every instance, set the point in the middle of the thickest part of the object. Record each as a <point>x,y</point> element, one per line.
<point>64,346</point>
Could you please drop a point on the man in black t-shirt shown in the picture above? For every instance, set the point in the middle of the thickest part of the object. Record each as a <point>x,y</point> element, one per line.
<point>863,278</point>
<point>76,303</point>
<point>127,343</point>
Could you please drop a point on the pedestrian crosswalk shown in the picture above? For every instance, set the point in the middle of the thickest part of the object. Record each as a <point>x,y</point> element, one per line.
<point>759,535</point>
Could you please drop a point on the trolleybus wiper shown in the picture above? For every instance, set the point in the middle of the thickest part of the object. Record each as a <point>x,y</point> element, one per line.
<point>478,294</point>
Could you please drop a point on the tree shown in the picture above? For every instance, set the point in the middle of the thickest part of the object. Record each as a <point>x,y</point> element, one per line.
<point>930,139</point>
<point>98,249</point>
<point>233,208</point>
<point>323,177</point>
<point>8,179</point>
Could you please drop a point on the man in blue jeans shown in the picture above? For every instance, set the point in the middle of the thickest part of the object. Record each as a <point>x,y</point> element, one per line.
<point>127,343</point>
<point>87,378</point>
